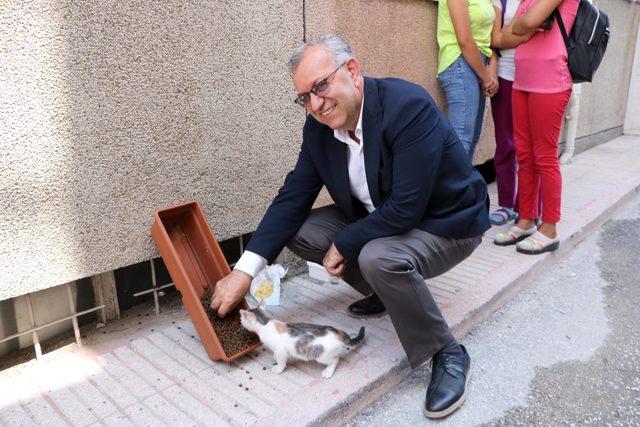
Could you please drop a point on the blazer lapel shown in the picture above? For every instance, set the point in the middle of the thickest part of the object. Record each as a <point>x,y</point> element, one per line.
<point>337,151</point>
<point>372,138</point>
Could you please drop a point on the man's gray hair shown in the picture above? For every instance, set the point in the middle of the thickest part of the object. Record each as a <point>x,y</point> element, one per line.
<point>340,51</point>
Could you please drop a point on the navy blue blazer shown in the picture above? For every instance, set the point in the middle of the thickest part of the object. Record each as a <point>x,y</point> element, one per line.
<point>417,171</point>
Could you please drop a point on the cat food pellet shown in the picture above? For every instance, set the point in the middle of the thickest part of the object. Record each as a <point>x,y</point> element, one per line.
<point>193,336</point>
<point>264,369</point>
<point>152,330</point>
<point>139,323</point>
<point>173,323</point>
<point>246,388</point>
<point>240,385</point>
<point>247,372</point>
<point>233,337</point>
<point>235,405</point>
<point>250,378</point>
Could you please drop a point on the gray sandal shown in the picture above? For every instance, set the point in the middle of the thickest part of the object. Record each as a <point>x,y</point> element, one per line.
<point>513,235</point>
<point>538,243</point>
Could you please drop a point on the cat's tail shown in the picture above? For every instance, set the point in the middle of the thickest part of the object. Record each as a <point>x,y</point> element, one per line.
<point>357,340</point>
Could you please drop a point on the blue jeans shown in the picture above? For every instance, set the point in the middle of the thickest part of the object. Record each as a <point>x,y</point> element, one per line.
<point>465,102</point>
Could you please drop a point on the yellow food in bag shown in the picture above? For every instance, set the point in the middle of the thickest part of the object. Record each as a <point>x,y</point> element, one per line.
<point>265,290</point>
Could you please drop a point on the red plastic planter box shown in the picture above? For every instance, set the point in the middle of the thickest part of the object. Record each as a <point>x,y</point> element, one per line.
<point>194,260</point>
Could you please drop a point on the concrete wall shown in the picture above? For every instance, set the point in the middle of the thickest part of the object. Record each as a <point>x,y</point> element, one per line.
<point>113,109</point>
<point>604,101</point>
<point>632,119</point>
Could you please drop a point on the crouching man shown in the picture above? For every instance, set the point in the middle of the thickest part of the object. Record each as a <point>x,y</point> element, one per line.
<point>408,206</point>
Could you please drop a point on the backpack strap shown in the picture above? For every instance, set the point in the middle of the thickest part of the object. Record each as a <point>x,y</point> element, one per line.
<point>504,9</point>
<point>563,30</point>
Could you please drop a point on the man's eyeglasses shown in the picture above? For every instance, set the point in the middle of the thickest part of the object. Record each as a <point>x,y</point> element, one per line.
<point>318,89</point>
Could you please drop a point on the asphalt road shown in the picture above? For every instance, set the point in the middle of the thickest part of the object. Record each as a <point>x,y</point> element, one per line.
<point>564,351</point>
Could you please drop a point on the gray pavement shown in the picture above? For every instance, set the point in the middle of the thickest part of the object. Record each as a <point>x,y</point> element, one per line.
<point>564,351</point>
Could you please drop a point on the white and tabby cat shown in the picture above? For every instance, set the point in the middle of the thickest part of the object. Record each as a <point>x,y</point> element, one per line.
<point>303,341</point>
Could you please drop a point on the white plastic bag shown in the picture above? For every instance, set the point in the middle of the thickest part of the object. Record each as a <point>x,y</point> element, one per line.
<point>266,285</point>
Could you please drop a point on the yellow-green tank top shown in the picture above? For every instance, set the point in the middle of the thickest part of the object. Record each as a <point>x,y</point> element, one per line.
<point>481,16</point>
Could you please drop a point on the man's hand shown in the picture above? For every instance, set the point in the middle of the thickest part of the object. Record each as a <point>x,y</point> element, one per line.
<point>229,291</point>
<point>334,262</point>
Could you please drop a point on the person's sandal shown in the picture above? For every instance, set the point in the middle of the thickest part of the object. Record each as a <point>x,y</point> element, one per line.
<point>502,216</point>
<point>538,243</point>
<point>513,235</point>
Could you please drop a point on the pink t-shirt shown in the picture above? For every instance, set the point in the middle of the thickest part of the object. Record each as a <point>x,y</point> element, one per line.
<point>541,62</point>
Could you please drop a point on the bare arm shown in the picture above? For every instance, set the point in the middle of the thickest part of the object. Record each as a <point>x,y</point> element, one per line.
<point>510,40</point>
<point>496,31</point>
<point>493,72</point>
<point>462,26</point>
<point>534,17</point>
<point>504,38</point>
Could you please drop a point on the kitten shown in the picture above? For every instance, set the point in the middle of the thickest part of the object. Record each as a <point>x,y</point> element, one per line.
<point>303,341</point>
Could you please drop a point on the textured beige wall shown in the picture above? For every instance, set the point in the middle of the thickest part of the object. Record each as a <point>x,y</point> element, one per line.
<point>392,38</point>
<point>111,109</point>
<point>603,102</point>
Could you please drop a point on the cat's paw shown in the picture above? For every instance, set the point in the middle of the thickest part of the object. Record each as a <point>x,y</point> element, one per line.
<point>277,369</point>
<point>328,373</point>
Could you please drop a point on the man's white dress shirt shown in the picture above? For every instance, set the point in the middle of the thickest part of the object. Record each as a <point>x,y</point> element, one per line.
<point>251,263</point>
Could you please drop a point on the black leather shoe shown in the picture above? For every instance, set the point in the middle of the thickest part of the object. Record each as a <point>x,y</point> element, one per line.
<point>447,390</point>
<point>370,306</point>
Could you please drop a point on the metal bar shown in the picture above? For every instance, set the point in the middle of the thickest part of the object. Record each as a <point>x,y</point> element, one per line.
<point>34,333</point>
<point>137,294</point>
<point>241,245</point>
<point>81,313</point>
<point>155,287</point>
<point>74,319</point>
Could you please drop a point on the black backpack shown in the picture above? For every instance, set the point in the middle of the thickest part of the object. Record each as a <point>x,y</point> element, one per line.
<point>587,42</point>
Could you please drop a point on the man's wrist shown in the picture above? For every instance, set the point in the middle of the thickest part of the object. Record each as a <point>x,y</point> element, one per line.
<point>250,263</point>
<point>243,277</point>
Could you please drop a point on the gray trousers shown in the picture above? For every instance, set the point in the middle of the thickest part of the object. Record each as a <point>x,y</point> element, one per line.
<point>394,268</point>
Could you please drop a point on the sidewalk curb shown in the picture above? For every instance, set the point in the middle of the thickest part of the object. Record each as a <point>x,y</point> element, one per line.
<point>358,401</point>
<point>475,317</point>
<point>348,408</point>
